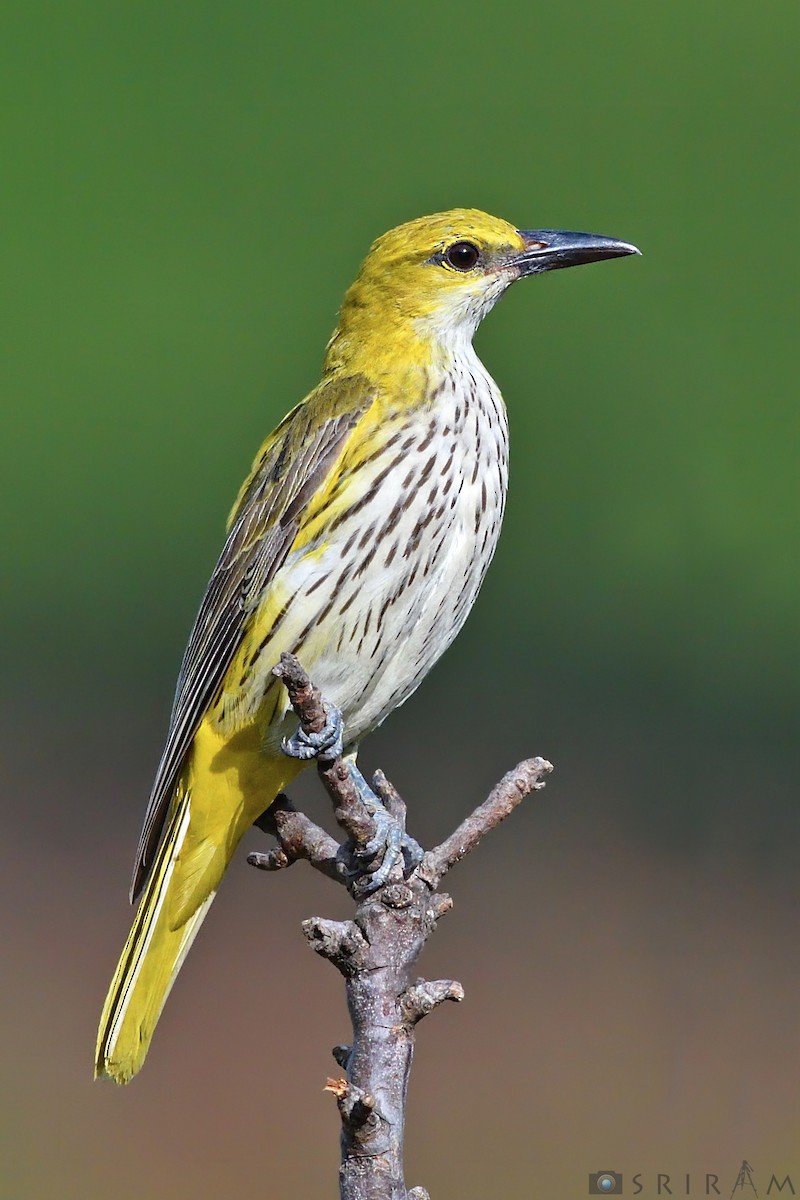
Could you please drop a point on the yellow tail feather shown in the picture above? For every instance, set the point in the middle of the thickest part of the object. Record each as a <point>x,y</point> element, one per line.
<point>150,961</point>
<point>228,783</point>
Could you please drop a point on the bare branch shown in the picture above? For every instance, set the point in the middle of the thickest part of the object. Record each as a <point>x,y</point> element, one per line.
<point>377,950</point>
<point>271,860</point>
<point>312,713</point>
<point>349,809</point>
<point>306,700</point>
<point>298,837</point>
<point>417,1001</point>
<point>357,1107</point>
<point>390,796</point>
<point>528,776</point>
<point>342,942</point>
<point>441,903</point>
<point>342,1055</point>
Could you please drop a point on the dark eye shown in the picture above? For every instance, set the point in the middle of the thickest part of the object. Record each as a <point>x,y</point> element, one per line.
<point>462,255</point>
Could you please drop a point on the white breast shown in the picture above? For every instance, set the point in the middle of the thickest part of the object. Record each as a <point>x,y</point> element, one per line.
<point>380,598</point>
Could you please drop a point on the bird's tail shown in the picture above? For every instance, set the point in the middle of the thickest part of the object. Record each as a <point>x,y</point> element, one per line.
<point>226,787</point>
<point>156,947</point>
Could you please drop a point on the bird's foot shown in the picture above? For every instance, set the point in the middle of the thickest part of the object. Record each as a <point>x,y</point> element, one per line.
<point>326,745</point>
<point>388,847</point>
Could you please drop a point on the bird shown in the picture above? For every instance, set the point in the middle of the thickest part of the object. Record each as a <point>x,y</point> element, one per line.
<point>358,541</point>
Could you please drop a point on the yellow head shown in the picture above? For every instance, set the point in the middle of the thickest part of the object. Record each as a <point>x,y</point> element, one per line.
<point>435,278</point>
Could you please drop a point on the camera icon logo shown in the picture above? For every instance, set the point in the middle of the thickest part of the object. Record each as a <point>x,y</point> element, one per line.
<point>605,1183</point>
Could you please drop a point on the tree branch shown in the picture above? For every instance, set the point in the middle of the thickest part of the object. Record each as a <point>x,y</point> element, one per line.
<point>528,776</point>
<point>377,949</point>
<point>312,712</point>
<point>297,837</point>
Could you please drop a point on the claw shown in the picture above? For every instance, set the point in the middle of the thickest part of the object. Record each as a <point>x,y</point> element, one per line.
<point>390,842</point>
<point>392,856</point>
<point>327,745</point>
<point>387,835</point>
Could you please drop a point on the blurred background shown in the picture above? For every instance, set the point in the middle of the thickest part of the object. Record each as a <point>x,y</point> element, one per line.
<point>187,191</point>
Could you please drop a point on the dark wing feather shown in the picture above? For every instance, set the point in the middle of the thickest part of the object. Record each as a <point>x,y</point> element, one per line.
<point>293,464</point>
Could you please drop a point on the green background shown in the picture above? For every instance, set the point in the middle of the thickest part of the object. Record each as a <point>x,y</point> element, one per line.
<point>187,191</point>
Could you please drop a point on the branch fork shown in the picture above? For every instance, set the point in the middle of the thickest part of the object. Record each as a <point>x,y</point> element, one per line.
<point>376,950</point>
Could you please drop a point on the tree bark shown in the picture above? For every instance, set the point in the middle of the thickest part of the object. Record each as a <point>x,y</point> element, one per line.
<point>378,948</point>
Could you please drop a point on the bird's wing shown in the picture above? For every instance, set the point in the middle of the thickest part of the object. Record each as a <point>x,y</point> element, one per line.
<point>291,466</point>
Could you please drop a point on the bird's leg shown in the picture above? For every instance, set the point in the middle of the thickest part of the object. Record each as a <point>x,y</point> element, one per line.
<point>326,745</point>
<point>389,840</point>
<point>321,736</point>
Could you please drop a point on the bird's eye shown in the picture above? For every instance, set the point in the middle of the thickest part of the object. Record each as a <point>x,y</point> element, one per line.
<point>462,255</point>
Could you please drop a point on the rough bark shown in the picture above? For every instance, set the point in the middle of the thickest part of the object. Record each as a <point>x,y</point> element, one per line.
<point>378,948</point>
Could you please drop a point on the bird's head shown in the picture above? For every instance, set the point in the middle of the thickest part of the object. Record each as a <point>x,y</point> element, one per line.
<point>438,276</point>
